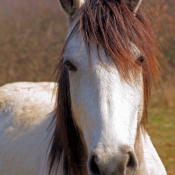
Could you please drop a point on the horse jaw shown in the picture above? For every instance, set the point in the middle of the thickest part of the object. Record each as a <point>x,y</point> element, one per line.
<point>105,107</point>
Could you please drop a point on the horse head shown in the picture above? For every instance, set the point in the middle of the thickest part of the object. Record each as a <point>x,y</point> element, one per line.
<point>104,75</point>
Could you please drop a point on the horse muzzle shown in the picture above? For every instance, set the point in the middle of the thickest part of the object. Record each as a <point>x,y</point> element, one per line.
<point>105,162</point>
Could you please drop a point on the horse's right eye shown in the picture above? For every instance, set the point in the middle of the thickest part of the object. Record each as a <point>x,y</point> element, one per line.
<point>140,60</point>
<point>70,66</point>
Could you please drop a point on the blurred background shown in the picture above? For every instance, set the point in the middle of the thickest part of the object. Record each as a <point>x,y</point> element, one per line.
<point>32,33</point>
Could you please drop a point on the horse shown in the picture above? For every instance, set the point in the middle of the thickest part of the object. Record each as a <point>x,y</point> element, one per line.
<point>94,124</point>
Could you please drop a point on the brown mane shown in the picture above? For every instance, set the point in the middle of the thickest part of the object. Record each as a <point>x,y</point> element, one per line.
<point>112,26</point>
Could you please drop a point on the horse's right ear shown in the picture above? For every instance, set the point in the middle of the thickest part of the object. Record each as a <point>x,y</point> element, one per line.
<point>133,5</point>
<point>70,6</point>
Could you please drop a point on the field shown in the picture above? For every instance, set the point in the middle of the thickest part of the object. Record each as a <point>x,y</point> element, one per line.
<point>161,125</point>
<point>32,34</point>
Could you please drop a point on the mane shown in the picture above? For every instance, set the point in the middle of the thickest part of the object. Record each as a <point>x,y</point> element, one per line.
<point>112,26</point>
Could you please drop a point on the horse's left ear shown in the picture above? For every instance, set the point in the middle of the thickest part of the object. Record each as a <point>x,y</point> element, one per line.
<point>133,5</point>
<point>70,6</point>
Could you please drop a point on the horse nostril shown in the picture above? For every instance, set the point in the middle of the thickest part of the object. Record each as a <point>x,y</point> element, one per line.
<point>123,162</point>
<point>131,165</point>
<point>93,167</point>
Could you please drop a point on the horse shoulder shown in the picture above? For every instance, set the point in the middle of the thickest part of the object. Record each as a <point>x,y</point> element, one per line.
<point>25,114</point>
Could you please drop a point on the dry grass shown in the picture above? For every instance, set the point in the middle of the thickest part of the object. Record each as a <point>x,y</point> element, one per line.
<point>32,34</point>
<point>162,124</point>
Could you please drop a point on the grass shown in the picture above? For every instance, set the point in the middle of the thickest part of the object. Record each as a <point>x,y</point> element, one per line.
<point>162,131</point>
<point>31,36</point>
<point>162,124</point>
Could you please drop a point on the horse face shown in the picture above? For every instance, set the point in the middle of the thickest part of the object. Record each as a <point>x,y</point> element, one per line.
<point>105,107</point>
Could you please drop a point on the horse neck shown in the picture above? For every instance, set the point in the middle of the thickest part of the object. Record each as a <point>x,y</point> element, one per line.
<point>139,150</point>
<point>148,159</point>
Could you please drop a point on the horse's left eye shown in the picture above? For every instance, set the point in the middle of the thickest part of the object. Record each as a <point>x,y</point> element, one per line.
<point>140,60</point>
<point>70,66</point>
